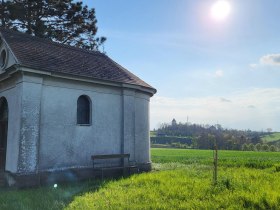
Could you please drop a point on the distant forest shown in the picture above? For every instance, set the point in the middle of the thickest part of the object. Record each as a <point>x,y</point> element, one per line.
<point>188,135</point>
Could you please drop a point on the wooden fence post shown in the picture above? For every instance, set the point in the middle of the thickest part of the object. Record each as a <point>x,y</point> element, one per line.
<point>215,154</point>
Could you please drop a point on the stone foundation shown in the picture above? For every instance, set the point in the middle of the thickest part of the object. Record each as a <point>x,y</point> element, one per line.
<point>68,175</point>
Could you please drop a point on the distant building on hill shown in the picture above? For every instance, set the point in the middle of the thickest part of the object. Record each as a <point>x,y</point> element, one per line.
<point>173,123</point>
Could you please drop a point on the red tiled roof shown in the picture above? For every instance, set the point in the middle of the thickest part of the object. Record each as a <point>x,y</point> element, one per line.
<point>43,54</point>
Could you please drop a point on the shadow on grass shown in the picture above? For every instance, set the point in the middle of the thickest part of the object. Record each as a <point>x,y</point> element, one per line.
<point>57,196</point>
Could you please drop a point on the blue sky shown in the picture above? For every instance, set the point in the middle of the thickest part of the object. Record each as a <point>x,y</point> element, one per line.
<point>206,71</point>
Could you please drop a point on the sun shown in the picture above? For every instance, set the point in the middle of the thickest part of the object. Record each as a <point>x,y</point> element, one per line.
<point>220,10</point>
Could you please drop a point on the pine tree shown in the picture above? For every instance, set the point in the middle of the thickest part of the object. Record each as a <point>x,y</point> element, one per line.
<point>63,21</point>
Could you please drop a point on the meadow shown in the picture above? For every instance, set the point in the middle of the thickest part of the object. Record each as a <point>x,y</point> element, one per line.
<point>181,179</point>
<point>271,137</point>
<point>227,158</point>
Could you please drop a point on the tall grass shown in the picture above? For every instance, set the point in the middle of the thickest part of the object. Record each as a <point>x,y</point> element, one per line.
<point>181,179</point>
<point>189,188</point>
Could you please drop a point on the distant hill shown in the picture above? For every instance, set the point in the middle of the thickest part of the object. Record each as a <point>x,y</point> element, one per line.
<point>196,136</point>
<point>271,137</point>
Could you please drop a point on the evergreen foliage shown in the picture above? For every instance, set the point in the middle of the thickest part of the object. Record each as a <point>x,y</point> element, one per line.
<point>63,21</point>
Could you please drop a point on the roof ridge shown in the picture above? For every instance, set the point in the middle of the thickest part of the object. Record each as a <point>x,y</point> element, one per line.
<point>50,41</point>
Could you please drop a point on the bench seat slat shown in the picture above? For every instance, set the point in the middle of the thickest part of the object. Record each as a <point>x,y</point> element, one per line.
<point>116,167</point>
<point>110,156</point>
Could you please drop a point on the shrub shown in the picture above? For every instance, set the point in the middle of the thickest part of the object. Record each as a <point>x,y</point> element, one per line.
<point>251,147</point>
<point>272,148</point>
<point>245,147</point>
<point>258,147</point>
<point>265,147</point>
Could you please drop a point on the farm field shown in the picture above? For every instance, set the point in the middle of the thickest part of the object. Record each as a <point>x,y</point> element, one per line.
<point>181,179</point>
<point>227,158</point>
<point>271,137</point>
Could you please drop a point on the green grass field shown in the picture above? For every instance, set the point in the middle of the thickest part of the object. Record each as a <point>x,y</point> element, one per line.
<point>189,188</point>
<point>181,179</point>
<point>272,137</point>
<point>249,159</point>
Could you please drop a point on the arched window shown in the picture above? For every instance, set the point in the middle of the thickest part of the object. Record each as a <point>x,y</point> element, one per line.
<point>83,110</point>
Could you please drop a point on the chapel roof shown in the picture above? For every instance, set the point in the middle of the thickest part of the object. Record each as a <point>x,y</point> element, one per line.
<point>46,55</point>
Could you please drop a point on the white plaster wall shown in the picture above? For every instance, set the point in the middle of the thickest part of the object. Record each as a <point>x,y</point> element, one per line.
<point>30,121</point>
<point>129,123</point>
<point>50,139</point>
<point>142,127</point>
<point>63,143</point>
<point>11,90</point>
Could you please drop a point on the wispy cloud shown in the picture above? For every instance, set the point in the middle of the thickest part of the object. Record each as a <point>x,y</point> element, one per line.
<point>225,100</point>
<point>254,65</point>
<point>219,73</point>
<point>254,109</point>
<point>251,107</point>
<point>267,60</point>
<point>271,59</point>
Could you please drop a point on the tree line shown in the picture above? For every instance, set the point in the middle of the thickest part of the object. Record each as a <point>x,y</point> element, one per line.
<point>205,136</point>
<point>259,147</point>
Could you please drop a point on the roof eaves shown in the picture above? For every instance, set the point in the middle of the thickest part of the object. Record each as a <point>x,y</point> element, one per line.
<point>61,74</point>
<point>114,83</point>
<point>149,90</point>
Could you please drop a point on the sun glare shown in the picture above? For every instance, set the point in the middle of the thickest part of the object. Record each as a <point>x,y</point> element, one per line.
<point>220,10</point>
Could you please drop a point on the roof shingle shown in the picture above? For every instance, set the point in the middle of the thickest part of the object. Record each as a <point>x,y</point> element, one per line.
<point>43,54</point>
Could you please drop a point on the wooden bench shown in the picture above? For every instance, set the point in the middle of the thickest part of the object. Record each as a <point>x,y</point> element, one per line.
<point>105,165</point>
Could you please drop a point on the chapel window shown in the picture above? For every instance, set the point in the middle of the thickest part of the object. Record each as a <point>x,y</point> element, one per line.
<point>83,110</point>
